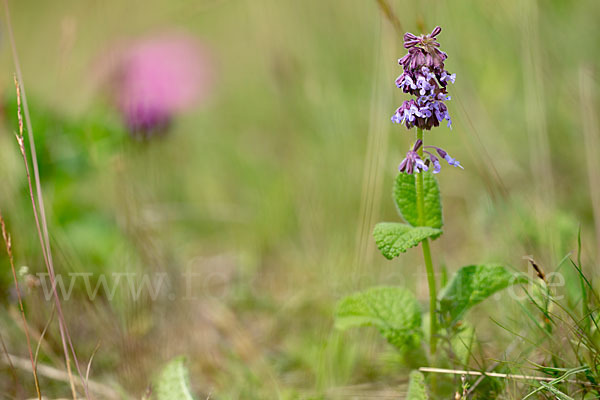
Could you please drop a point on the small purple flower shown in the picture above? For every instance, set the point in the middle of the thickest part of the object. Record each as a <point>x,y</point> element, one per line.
<point>446,77</point>
<point>437,167</point>
<point>446,156</point>
<point>413,163</point>
<point>453,161</point>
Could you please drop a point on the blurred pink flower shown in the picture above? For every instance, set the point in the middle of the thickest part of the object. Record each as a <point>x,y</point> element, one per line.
<point>157,77</point>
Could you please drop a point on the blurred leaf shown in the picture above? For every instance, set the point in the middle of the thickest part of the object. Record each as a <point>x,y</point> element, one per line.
<point>174,382</point>
<point>395,311</point>
<point>473,284</point>
<point>416,387</point>
<point>462,342</point>
<point>405,196</point>
<point>393,238</point>
<point>93,236</point>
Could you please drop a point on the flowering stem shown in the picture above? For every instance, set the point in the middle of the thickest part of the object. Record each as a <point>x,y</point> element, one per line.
<point>427,256</point>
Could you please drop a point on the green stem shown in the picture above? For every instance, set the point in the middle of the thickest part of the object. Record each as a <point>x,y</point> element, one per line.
<point>427,257</point>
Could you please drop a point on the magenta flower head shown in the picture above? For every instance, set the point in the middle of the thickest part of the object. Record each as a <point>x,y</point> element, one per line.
<point>425,78</point>
<point>158,77</point>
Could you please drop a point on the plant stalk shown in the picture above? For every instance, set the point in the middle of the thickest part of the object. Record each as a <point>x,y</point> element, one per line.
<point>427,256</point>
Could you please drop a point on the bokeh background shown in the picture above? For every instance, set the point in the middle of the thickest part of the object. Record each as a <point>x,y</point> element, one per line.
<point>269,187</point>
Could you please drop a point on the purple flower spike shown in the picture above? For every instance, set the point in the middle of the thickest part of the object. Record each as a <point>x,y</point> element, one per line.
<point>425,77</point>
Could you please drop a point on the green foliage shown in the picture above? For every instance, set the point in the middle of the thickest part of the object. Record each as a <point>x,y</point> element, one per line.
<point>557,393</point>
<point>416,387</point>
<point>174,382</point>
<point>393,310</point>
<point>461,343</point>
<point>405,196</point>
<point>549,386</point>
<point>393,238</point>
<point>473,284</point>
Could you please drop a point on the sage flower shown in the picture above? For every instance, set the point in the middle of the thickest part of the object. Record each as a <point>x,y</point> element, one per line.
<point>446,156</point>
<point>413,163</point>
<point>426,78</point>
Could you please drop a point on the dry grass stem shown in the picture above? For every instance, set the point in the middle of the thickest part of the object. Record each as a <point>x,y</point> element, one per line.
<point>39,212</point>
<point>62,376</point>
<point>498,375</point>
<point>8,244</point>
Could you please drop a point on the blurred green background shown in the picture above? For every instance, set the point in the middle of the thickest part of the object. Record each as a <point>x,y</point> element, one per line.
<point>270,190</point>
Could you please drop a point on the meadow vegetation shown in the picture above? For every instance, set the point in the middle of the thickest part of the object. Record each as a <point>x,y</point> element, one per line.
<point>256,208</point>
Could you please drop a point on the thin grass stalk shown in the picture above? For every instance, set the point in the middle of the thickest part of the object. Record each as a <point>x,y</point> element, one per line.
<point>55,374</point>
<point>535,114</point>
<point>8,245</point>
<point>512,376</point>
<point>20,141</point>
<point>369,181</point>
<point>533,343</point>
<point>41,215</point>
<point>391,16</point>
<point>377,140</point>
<point>585,308</point>
<point>43,334</point>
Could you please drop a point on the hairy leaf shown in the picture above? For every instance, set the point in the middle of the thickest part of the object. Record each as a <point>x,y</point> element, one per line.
<point>393,310</point>
<point>416,387</point>
<point>393,238</point>
<point>405,196</point>
<point>173,382</point>
<point>473,284</point>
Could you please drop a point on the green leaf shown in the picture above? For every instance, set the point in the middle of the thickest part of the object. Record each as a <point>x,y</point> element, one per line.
<point>416,387</point>
<point>393,310</point>
<point>473,284</point>
<point>393,238</point>
<point>173,382</point>
<point>405,196</point>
